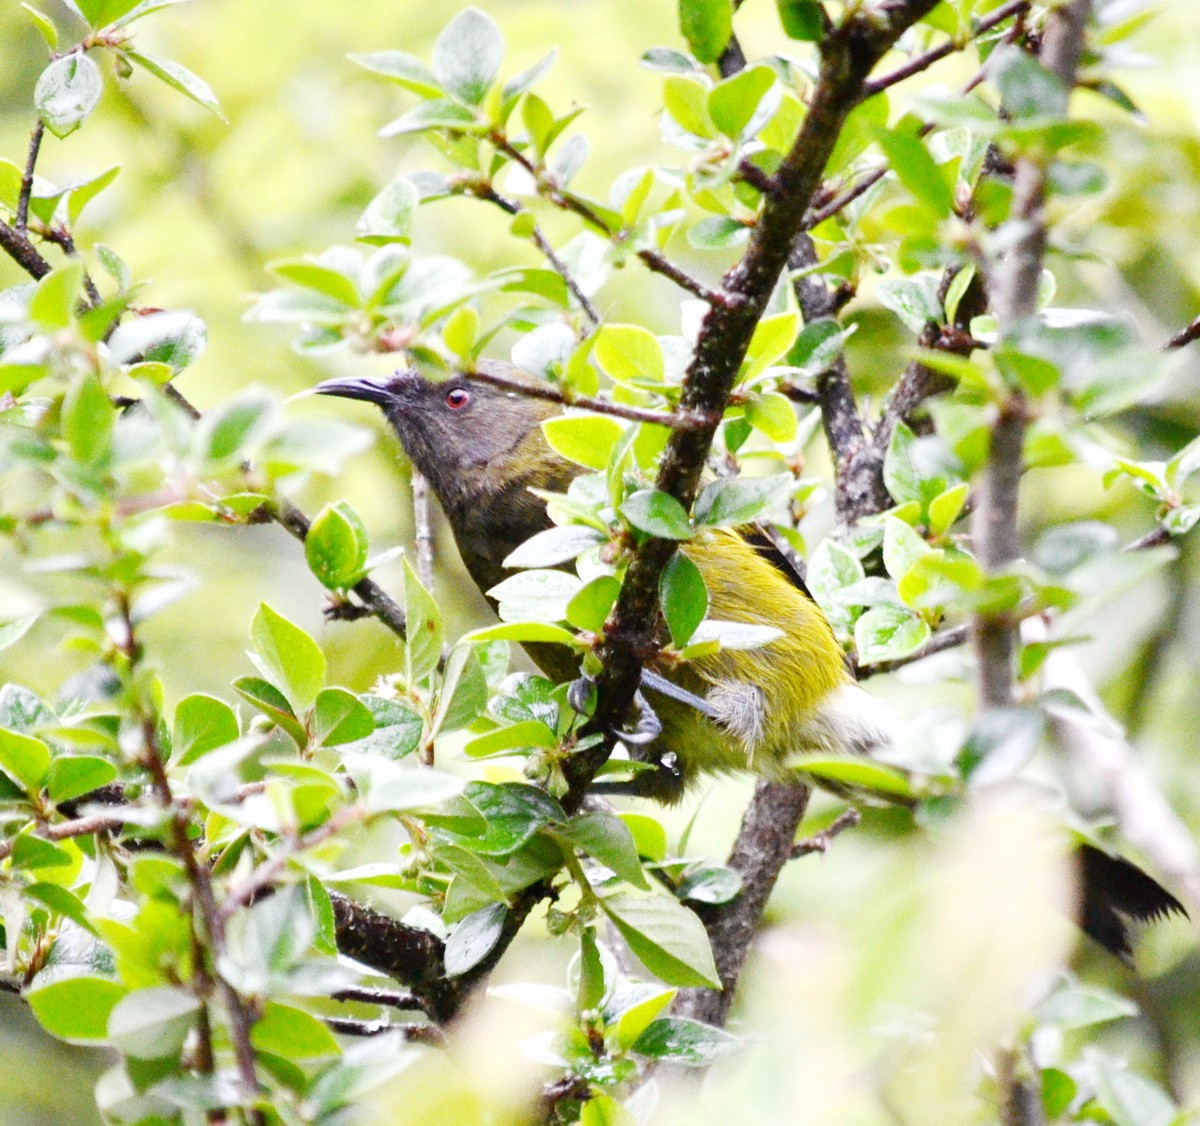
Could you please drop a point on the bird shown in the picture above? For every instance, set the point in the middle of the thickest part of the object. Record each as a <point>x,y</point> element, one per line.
<point>481,448</point>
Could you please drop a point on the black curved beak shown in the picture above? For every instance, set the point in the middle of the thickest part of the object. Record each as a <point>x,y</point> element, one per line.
<point>369,388</point>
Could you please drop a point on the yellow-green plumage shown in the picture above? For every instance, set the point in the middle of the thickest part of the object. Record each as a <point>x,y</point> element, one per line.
<point>482,450</point>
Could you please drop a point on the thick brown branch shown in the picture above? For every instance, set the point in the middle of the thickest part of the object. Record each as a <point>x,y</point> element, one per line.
<point>764,844</point>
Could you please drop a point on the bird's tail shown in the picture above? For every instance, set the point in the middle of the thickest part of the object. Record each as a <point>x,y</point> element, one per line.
<point>851,721</point>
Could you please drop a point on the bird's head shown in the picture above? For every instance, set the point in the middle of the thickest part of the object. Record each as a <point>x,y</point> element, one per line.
<point>465,436</point>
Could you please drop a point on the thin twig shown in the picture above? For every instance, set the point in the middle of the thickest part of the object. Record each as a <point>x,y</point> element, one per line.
<point>423,529</point>
<point>35,143</point>
<point>926,60</point>
<point>941,641</point>
<point>1184,336</point>
<point>677,420</point>
<point>265,875</point>
<point>1014,299</point>
<point>419,1033</point>
<point>388,998</point>
<point>566,201</point>
<point>820,842</point>
<point>551,255</point>
<point>199,875</point>
<point>662,265</point>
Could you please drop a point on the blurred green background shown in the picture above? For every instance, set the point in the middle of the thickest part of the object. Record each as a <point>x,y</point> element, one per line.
<point>200,206</point>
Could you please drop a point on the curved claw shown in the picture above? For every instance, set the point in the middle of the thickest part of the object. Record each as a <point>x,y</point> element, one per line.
<point>646,728</point>
<point>579,694</point>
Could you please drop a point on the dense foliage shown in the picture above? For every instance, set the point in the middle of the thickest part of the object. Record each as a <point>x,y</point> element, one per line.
<point>279,903</point>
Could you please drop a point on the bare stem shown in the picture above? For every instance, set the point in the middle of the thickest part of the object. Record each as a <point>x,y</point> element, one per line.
<point>925,61</point>
<point>35,144</point>
<point>1014,299</point>
<point>541,390</point>
<point>423,530</point>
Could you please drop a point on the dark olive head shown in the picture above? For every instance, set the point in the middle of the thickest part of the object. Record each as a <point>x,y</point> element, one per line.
<point>460,433</point>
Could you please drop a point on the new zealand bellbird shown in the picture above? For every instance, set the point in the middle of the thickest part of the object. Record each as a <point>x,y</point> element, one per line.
<point>482,450</point>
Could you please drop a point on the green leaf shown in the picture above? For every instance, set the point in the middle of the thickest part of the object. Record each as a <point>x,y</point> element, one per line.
<point>944,509</point>
<point>688,1042</point>
<point>402,68</point>
<point>902,547</point>
<point>913,300</point>
<point>774,415</point>
<point>391,788</point>
<point>24,759</point>
<point>1130,1099</point>
<point>607,839</point>
<point>389,216</point>
<point>516,738</point>
<point>590,607</point>
<point>887,633</point>
<point>99,13</point>
<point>1077,1005</point>
<point>66,93</point>
<point>397,730</point>
<point>818,346</point>
<point>707,26</point>
<point>467,56</point>
<point>52,305</point>
<point>1027,89</point>
<point>629,354</point>
<point>287,657</point>
<point>286,1031</point>
<point>586,439</point>
<point>554,546</point>
<point>657,514</point>
<point>684,598</point>
<point>526,632</point>
<point>438,114</point>
<point>77,1009</point>
<point>857,772</point>
<point>340,717</point>
<point>81,195</point>
<point>72,776</point>
<point>62,902</point>
<point>336,546</point>
<point>734,635</point>
<point>541,595</point>
<point>44,24</point>
<point>179,78</point>
<point>88,420</point>
<point>474,938</point>
<point>231,430</point>
<point>168,338</point>
<point>732,103</point>
<point>667,938</point>
<point>316,275</point>
<point>514,812</point>
<point>153,1023</point>
<point>802,19</point>
<point>730,501</point>
<point>463,693</point>
<point>717,232</point>
<point>648,834</point>
<point>12,632</point>
<point>710,885</point>
<point>900,475</point>
<point>423,621</point>
<point>636,1019</point>
<point>772,340</point>
<point>911,162</point>
<point>202,723</point>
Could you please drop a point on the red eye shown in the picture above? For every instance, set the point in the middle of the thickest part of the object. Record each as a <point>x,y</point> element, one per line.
<point>457,398</point>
